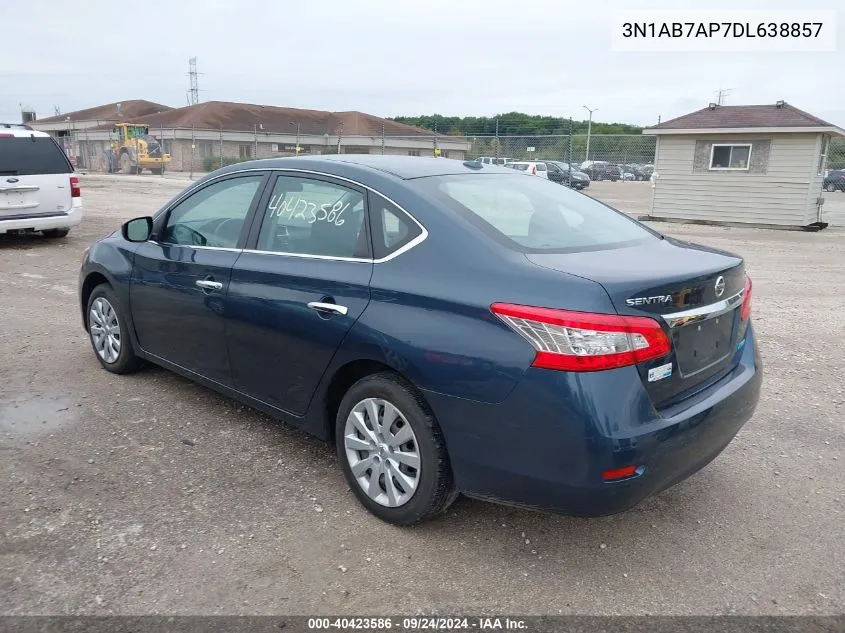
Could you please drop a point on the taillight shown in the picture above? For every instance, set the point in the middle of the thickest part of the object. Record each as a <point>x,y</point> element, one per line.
<point>75,191</point>
<point>746,300</point>
<point>6,135</point>
<point>533,170</point>
<point>583,341</point>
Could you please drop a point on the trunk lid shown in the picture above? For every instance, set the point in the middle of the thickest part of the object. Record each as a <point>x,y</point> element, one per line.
<point>695,292</point>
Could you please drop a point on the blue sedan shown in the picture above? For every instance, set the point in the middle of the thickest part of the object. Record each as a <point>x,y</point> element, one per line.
<point>452,327</point>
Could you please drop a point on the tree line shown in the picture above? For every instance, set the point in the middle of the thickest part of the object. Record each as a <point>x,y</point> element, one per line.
<point>512,123</point>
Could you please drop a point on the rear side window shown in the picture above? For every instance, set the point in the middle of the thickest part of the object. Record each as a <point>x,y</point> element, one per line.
<point>392,228</point>
<point>533,214</point>
<point>520,166</point>
<point>314,217</point>
<point>541,166</point>
<point>32,155</point>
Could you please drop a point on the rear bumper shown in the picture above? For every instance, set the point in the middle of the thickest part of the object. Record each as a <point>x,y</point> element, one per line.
<point>42,222</point>
<point>548,444</point>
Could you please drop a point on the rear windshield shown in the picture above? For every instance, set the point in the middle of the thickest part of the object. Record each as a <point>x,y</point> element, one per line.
<point>535,215</point>
<point>28,156</point>
<point>519,166</point>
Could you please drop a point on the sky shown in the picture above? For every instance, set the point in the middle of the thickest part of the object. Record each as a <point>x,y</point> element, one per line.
<point>392,58</point>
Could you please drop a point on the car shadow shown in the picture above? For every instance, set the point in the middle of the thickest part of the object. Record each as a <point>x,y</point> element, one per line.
<point>527,539</point>
<point>28,241</point>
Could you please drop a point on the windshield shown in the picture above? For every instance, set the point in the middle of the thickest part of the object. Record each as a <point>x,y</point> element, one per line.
<point>534,214</point>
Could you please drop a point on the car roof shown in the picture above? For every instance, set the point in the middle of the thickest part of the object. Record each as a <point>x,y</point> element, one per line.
<point>20,130</point>
<point>405,167</point>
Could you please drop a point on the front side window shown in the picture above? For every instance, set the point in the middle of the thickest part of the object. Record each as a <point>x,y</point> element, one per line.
<point>534,214</point>
<point>314,217</point>
<point>214,215</point>
<point>730,156</point>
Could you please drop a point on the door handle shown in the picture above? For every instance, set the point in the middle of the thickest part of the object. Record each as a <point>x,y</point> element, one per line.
<point>206,284</point>
<point>328,307</point>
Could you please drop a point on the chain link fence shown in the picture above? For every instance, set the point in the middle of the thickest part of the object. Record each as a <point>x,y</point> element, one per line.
<point>198,151</point>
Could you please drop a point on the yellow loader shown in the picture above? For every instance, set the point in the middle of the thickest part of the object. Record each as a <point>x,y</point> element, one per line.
<point>134,150</point>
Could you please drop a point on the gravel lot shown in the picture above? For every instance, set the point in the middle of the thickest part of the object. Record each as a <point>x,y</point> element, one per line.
<point>149,494</point>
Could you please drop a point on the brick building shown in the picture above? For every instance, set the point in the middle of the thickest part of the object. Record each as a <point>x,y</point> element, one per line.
<point>197,136</point>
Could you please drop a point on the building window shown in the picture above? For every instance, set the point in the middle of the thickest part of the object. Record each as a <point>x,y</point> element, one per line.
<point>206,149</point>
<point>730,156</point>
<point>823,155</point>
<point>245,151</point>
<point>413,152</point>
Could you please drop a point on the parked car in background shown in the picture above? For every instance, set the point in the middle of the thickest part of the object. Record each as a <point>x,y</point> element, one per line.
<point>587,364</point>
<point>532,167</point>
<point>835,181</point>
<point>643,172</point>
<point>561,172</point>
<point>38,191</point>
<point>490,160</point>
<point>601,170</point>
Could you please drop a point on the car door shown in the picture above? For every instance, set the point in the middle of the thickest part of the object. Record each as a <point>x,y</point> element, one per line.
<point>181,276</point>
<point>298,288</point>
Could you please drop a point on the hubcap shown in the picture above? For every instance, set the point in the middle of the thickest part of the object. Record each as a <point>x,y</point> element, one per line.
<point>105,329</point>
<point>382,452</point>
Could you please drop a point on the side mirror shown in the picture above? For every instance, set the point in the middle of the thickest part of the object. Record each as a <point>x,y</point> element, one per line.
<point>137,230</point>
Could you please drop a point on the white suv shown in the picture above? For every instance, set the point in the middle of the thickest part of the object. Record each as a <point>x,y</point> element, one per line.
<point>534,168</point>
<point>490,160</point>
<point>38,191</point>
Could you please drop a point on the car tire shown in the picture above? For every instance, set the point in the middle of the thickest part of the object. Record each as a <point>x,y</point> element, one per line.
<point>415,493</point>
<point>830,187</point>
<point>104,306</point>
<point>53,233</point>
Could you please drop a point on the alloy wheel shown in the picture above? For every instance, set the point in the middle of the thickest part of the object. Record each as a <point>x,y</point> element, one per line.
<point>104,327</point>
<point>382,451</point>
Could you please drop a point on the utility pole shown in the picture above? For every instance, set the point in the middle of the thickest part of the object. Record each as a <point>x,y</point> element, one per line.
<point>497,137</point>
<point>194,92</point>
<point>569,160</point>
<point>296,149</point>
<point>589,129</point>
<point>382,137</point>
